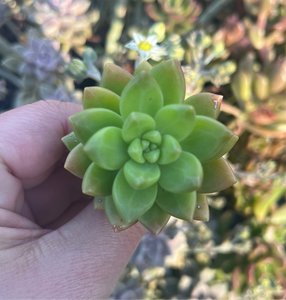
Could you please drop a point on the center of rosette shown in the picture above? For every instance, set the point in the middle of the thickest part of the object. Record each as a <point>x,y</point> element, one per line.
<point>146,148</point>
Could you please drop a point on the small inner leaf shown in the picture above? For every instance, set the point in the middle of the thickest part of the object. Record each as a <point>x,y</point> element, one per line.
<point>98,97</point>
<point>182,176</point>
<point>153,137</point>
<point>145,144</point>
<point>218,176</point>
<point>77,161</point>
<point>202,212</point>
<point>136,152</point>
<point>181,206</point>
<point>152,156</point>
<point>170,150</point>
<point>155,219</point>
<point>87,122</point>
<point>114,219</point>
<point>97,181</point>
<point>108,149</point>
<point>141,176</point>
<point>131,204</point>
<point>176,120</point>
<point>136,125</point>
<point>209,140</point>
<point>142,94</point>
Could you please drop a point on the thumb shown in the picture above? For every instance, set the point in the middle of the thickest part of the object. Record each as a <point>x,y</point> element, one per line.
<point>88,255</point>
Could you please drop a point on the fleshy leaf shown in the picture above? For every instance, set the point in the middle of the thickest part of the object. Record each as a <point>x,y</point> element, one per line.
<point>107,148</point>
<point>208,139</point>
<point>170,150</point>
<point>153,136</point>
<point>152,156</point>
<point>141,176</point>
<point>155,219</point>
<point>135,151</point>
<point>70,140</point>
<point>145,144</point>
<point>144,66</point>
<point>171,80</point>
<point>136,125</point>
<point>218,176</point>
<point>114,219</point>
<point>176,120</point>
<point>182,176</point>
<point>99,202</point>
<point>202,212</point>
<point>181,206</point>
<point>77,161</point>
<point>142,94</point>
<point>87,122</point>
<point>205,104</point>
<point>97,181</point>
<point>115,78</point>
<point>131,204</point>
<point>98,97</point>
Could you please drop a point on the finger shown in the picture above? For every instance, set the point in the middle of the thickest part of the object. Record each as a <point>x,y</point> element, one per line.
<point>30,144</point>
<point>94,254</point>
<point>49,200</point>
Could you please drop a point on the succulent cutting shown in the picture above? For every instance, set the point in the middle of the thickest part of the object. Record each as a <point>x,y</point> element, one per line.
<point>144,152</point>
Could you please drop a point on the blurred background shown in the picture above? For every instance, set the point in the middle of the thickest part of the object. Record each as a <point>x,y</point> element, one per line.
<point>53,49</point>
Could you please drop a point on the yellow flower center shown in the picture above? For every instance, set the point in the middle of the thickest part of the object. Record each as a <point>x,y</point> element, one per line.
<point>145,46</point>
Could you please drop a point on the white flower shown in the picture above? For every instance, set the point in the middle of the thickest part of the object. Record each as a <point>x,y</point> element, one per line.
<point>146,46</point>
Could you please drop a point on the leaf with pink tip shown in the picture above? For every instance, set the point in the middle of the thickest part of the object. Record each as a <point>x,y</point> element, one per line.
<point>97,181</point>
<point>77,161</point>
<point>114,219</point>
<point>218,176</point>
<point>155,219</point>
<point>181,206</point>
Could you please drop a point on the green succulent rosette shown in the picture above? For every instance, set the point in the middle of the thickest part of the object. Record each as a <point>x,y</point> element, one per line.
<point>146,154</point>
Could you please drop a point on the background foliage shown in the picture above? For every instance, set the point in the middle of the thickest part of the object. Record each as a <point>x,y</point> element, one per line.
<point>53,49</point>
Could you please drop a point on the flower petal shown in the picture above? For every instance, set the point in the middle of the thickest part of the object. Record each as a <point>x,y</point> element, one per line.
<point>98,97</point>
<point>77,161</point>
<point>114,218</point>
<point>155,219</point>
<point>138,37</point>
<point>182,176</point>
<point>137,98</point>
<point>175,120</point>
<point>152,39</point>
<point>132,45</point>
<point>115,78</point>
<point>209,140</point>
<point>136,125</point>
<point>97,181</point>
<point>181,206</point>
<point>202,212</point>
<point>131,204</point>
<point>218,176</point>
<point>144,54</point>
<point>107,148</point>
<point>141,176</point>
<point>170,77</point>
<point>87,122</point>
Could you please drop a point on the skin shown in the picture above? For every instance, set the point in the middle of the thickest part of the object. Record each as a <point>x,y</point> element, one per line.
<point>53,244</point>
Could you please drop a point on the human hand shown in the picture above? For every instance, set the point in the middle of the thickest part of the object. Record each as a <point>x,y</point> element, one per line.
<point>53,244</point>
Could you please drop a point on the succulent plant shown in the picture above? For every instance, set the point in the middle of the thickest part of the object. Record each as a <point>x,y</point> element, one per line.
<point>143,152</point>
